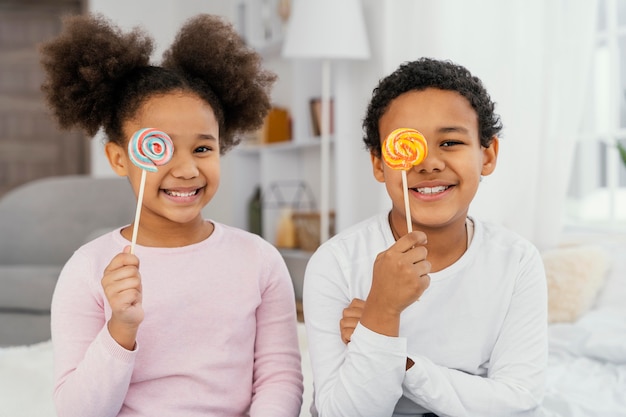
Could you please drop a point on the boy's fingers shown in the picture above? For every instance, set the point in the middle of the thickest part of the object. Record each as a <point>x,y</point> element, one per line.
<point>410,240</point>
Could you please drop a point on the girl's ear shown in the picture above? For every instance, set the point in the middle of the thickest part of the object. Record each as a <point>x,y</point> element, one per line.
<point>377,167</point>
<point>490,156</point>
<point>117,158</point>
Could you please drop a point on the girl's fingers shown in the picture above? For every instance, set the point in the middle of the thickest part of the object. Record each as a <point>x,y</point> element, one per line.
<point>120,260</point>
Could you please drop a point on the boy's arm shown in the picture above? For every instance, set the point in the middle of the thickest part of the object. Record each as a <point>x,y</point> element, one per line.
<point>515,380</point>
<point>363,378</point>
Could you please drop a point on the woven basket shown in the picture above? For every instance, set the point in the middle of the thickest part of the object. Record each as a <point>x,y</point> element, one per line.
<point>308,229</point>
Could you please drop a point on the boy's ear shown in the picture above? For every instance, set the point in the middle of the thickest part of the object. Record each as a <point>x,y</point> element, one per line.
<point>117,158</point>
<point>378,167</point>
<point>490,157</point>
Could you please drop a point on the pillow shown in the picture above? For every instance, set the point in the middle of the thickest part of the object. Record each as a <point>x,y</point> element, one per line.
<point>575,276</point>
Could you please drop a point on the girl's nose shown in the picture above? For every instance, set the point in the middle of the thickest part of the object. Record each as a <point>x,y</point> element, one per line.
<point>184,166</point>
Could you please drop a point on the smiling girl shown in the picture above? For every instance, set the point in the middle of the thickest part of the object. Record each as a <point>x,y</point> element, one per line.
<point>200,320</point>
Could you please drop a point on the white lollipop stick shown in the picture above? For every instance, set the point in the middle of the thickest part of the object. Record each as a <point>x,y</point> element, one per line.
<point>407,207</point>
<point>142,186</point>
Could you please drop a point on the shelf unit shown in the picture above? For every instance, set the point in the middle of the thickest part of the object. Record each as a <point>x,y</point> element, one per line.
<point>279,164</point>
<point>282,165</point>
<point>266,165</point>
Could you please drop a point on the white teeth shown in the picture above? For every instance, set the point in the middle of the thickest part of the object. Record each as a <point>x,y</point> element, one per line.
<point>179,194</point>
<point>433,190</point>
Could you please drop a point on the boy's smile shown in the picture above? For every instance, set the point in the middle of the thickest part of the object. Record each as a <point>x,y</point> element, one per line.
<point>443,185</point>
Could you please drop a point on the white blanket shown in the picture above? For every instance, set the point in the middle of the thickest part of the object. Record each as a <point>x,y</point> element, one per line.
<point>587,366</point>
<point>26,381</point>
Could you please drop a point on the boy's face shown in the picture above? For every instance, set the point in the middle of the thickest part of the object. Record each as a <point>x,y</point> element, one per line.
<point>442,187</point>
<point>179,190</point>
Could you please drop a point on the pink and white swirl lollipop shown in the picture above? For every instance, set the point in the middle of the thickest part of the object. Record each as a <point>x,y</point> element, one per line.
<point>147,148</point>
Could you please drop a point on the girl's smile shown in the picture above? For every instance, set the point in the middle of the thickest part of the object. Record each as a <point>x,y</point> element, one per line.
<point>183,195</point>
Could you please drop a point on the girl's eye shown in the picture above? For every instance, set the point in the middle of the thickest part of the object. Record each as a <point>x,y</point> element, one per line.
<point>203,149</point>
<point>448,143</point>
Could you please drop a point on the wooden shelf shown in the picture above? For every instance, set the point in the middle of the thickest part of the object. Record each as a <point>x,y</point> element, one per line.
<point>310,142</point>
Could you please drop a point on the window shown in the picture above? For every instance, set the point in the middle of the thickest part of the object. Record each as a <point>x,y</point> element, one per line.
<point>597,190</point>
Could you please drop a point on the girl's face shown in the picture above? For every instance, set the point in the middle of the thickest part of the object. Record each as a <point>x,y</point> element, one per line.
<point>442,187</point>
<point>175,195</point>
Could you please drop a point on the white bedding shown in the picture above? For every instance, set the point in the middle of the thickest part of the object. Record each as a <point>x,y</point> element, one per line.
<point>587,366</point>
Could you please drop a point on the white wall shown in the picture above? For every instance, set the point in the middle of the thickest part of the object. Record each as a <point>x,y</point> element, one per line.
<point>399,30</point>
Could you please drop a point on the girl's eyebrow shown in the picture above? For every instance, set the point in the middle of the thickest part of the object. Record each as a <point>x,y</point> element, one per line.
<point>207,137</point>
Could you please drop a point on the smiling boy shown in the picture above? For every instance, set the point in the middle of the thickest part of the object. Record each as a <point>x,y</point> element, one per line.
<point>447,320</point>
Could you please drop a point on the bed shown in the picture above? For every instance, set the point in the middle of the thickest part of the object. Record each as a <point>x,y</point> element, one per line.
<point>587,335</point>
<point>586,375</point>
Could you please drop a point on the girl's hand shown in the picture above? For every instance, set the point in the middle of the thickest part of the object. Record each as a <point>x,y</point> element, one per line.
<point>350,318</point>
<point>122,287</point>
<point>399,278</point>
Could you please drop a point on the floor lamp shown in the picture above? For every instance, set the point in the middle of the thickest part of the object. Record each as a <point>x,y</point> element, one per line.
<point>326,30</point>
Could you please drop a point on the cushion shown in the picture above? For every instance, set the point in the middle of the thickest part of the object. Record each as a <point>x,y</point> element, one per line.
<point>27,287</point>
<point>575,275</point>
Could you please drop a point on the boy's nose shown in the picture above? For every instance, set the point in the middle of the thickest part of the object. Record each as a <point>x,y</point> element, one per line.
<point>432,162</point>
<point>184,166</point>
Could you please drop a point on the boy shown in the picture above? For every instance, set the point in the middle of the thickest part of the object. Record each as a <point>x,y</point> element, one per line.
<point>447,320</point>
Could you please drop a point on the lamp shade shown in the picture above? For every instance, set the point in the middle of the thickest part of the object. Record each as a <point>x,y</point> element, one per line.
<point>326,29</point>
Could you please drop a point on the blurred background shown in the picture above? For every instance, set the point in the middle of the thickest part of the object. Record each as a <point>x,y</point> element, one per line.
<point>556,70</point>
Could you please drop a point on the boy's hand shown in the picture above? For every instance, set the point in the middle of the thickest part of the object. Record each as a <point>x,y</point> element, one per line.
<point>350,318</point>
<point>122,287</point>
<point>400,277</point>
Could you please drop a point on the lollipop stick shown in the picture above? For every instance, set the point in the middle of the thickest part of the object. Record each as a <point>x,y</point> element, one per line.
<point>142,185</point>
<point>407,208</point>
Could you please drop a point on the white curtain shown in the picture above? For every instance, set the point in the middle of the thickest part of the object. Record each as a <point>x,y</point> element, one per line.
<point>534,57</point>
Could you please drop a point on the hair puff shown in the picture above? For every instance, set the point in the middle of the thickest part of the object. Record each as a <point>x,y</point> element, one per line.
<point>208,50</point>
<point>98,76</point>
<point>83,66</point>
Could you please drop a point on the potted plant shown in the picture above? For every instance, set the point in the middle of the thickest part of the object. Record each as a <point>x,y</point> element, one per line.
<point>622,151</point>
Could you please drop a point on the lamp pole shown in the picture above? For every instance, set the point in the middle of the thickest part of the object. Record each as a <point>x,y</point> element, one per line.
<point>325,153</point>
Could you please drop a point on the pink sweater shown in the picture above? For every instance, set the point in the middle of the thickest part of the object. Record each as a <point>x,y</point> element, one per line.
<point>218,339</point>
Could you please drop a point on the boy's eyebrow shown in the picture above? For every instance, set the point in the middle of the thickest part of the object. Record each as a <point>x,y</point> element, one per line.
<point>453,129</point>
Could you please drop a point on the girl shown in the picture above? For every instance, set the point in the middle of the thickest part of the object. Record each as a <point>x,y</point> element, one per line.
<point>200,320</point>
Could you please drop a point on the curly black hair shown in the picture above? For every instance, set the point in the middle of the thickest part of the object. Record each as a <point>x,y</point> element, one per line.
<point>430,73</point>
<point>97,77</point>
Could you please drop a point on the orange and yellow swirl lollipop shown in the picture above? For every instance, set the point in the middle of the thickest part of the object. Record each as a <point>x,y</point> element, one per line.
<point>402,149</point>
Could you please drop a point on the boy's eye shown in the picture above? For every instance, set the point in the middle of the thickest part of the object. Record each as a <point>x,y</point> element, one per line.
<point>448,143</point>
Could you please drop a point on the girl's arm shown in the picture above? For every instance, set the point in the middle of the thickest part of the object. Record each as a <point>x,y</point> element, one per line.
<point>92,371</point>
<point>277,385</point>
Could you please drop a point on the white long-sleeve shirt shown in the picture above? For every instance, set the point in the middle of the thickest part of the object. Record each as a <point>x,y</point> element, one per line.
<point>478,335</point>
<point>219,336</point>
